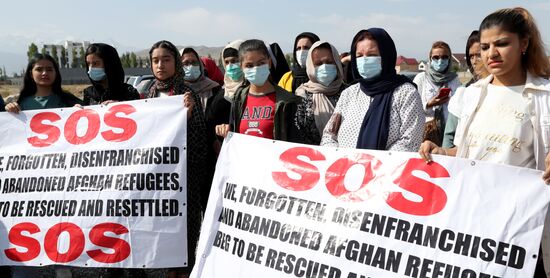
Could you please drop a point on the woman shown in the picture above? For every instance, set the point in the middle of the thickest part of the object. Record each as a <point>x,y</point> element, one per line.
<point>383,111</point>
<point>276,107</point>
<point>169,80</point>
<point>513,53</point>
<point>196,79</point>
<point>107,76</point>
<point>41,90</point>
<point>473,53</point>
<point>279,65</point>
<point>321,93</point>
<point>436,86</point>
<point>233,77</point>
<point>42,87</point>
<point>298,76</point>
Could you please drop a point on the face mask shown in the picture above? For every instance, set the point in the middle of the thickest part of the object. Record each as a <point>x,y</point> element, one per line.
<point>440,65</point>
<point>301,56</point>
<point>257,75</point>
<point>326,73</point>
<point>192,72</point>
<point>96,74</point>
<point>234,71</point>
<point>369,67</point>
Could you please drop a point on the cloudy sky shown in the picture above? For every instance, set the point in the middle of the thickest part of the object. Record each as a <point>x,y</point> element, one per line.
<point>136,25</point>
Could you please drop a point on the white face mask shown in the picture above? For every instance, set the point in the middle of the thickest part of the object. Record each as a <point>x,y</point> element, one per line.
<point>301,57</point>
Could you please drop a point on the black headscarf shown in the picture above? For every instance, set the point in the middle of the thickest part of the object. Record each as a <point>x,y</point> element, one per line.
<point>299,75</point>
<point>279,66</point>
<point>376,124</point>
<point>113,71</point>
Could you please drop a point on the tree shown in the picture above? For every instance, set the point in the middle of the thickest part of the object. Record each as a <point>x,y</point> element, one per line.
<point>82,58</point>
<point>63,58</point>
<point>54,53</point>
<point>133,60</point>
<point>43,51</point>
<point>33,50</point>
<point>74,59</point>
<point>289,59</point>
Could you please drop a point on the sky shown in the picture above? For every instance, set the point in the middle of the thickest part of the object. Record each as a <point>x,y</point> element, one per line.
<point>136,25</point>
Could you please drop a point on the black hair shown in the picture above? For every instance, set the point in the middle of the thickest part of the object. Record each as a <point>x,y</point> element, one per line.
<point>112,63</point>
<point>230,52</point>
<point>166,45</point>
<point>29,86</point>
<point>253,45</point>
<point>473,38</point>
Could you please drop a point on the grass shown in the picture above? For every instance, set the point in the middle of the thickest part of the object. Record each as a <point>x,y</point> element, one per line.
<point>7,90</point>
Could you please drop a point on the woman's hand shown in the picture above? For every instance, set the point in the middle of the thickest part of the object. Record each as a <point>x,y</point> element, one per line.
<point>334,124</point>
<point>435,101</point>
<point>222,130</point>
<point>546,174</point>
<point>428,148</point>
<point>189,102</point>
<point>13,107</point>
<point>107,102</point>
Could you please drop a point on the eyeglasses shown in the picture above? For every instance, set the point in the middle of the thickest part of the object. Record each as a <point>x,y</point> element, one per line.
<point>437,57</point>
<point>473,56</point>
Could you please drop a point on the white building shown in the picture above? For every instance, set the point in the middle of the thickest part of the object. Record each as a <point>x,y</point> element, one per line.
<point>79,47</point>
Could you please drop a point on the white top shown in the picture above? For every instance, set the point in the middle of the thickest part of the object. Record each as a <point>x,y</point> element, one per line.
<point>428,90</point>
<point>502,131</point>
<point>406,119</point>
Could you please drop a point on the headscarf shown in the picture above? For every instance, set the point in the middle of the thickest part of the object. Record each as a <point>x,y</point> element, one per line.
<point>212,70</point>
<point>203,85</point>
<point>299,74</point>
<point>322,107</point>
<point>113,72</point>
<point>230,85</point>
<point>376,124</point>
<point>440,78</point>
<point>279,66</point>
<point>174,83</point>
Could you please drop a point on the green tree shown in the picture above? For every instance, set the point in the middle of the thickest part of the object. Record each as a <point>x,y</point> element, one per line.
<point>54,53</point>
<point>74,59</point>
<point>82,58</point>
<point>133,60</point>
<point>33,50</point>
<point>43,51</point>
<point>289,59</point>
<point>63,58</point>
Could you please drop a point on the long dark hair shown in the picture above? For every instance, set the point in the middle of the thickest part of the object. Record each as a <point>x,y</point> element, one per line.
<point>113,66</point>
<point>29,86</point>
<point>520,22</point>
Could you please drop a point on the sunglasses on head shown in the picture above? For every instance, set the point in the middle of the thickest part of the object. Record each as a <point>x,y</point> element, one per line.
<point>437,57</point>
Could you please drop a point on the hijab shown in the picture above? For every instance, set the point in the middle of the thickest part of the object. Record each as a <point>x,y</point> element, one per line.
<point>114,73</point>
<point>376,123</point>
<point>203,85</point>
<point>231,86</point>
<point>175,84</point>
<point>299,74</point>
<point>322,107</point>
<point>441,78</point>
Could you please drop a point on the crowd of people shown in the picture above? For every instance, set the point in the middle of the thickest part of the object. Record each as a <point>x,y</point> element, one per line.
<point>501,115</point>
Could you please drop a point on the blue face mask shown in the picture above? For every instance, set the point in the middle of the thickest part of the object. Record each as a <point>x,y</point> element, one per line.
<point>439,65</point>
<point>234,71</point>
<point>192,73</point>
<point>370,66</point>
<point>326,73</point>
<point>96,74</point>
<point>257,75</point>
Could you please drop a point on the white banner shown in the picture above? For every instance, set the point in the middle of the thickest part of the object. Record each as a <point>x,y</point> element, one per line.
<point>279,209</point>
<point>103,186</point>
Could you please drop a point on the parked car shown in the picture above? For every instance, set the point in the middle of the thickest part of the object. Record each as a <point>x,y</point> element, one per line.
<point>136,79</point>
<point>144,85</point>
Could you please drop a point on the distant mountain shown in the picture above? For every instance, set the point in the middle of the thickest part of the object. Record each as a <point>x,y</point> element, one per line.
<point>14,63</point>
<point>214,52</point>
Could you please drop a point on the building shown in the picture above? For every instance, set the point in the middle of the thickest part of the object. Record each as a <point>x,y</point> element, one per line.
<point>406,64</point>
<point>459,62</point>
<point>422,66</point>
<point>69,60</point>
